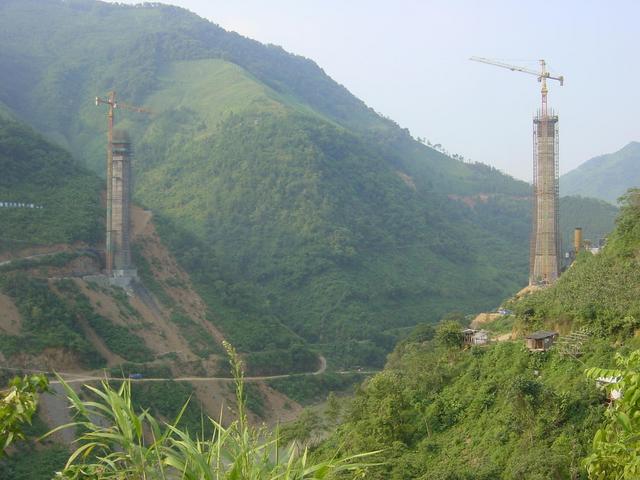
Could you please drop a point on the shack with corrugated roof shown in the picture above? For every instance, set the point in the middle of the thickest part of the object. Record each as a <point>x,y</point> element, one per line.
<point>541,341</point>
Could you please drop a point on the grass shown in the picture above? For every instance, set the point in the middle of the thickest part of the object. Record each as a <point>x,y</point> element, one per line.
<point>186,85</point>
<point>120,440</point>
<point>199,340</point>
<point>501,325</point>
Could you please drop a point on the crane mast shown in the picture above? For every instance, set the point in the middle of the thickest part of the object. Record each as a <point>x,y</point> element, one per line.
<point>112,104</point>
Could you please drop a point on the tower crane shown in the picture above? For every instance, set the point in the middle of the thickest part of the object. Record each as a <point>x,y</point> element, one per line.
<point>542,75</point>
<point>545,238</point>
<point>112,104</point>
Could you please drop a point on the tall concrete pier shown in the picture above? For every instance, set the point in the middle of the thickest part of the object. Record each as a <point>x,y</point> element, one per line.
<point>118,239</point>
<point>545,238</point>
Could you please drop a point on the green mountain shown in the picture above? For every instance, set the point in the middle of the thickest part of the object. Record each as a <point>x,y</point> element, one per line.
<point>36,173</point>
<point>438,411</point>
<point>300,214</point>
<point>606,177</point>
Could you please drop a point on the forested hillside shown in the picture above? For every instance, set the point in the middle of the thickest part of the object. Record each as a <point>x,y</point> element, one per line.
<point>39,174</point>
<point>598,292</point>
<point>605,177</point>
<point>595,217</point>
<point>55,318</point>
<point>301,214</point>
<point>500,411</point>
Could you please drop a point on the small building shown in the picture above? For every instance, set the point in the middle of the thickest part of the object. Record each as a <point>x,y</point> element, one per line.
<point>471,336</point>
<point>541,341</point>
<point>467,335</point>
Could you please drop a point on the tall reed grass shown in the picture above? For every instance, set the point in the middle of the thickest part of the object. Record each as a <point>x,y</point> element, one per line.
<point>117,442</point>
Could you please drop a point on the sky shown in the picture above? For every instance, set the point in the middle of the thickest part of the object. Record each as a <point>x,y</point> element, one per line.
<point>408,59</point>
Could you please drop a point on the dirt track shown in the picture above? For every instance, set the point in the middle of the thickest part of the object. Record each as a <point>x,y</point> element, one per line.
<point>70,378</point>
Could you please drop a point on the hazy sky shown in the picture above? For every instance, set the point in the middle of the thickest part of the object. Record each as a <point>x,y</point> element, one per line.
<point>408,59</point>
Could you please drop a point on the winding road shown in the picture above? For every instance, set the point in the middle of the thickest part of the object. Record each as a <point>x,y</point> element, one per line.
<point>70,378</point>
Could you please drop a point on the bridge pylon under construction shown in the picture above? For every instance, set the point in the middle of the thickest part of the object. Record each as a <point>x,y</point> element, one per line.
<point>544,262</point>
<point>544,265</point>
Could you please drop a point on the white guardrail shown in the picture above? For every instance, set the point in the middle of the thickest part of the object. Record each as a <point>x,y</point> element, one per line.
<point>19,205</point>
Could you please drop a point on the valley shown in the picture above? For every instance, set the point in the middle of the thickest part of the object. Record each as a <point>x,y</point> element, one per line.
<point>296,271</point>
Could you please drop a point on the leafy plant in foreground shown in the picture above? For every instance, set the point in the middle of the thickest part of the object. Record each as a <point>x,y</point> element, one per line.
<point>18,403</point>
<point>616,444</point>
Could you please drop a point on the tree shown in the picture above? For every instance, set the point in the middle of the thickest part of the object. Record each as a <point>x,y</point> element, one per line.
<point>17,406</point>
<point>617,443</point>
<point>423,332</point>
<point>334,409</point>
<point>449,334</point>
<point>302,430</point>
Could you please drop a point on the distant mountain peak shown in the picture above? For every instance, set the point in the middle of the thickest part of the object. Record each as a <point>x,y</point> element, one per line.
<point>606,176</point>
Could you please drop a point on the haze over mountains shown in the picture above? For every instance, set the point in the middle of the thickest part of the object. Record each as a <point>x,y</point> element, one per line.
<point>301,214</point>
<point>606,176</point>
<point>275,211</point>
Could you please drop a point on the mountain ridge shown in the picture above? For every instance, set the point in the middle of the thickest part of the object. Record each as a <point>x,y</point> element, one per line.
<point>297,211</point>
<point>606,176</point>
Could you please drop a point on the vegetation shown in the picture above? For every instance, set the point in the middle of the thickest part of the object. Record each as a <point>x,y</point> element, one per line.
<point>164,399</point>
<point>595,217</point>
<point>616,443</point>
<point>599,292</point>
<point>19,421</point>
<point>18,404</point>
<point>47,321</point>
<point>302,216</point>
<point>200,341</point>
<point>147,277</point>
<point>449,334</point>
<point>307,223</point>
<point>34,171</point>
<point>443,413</point>
<point>295,359</point>
<point>308,389</point>
<point>54,260</point>
<point>34,463</point>
<point>500,411</point>
<point>606,176</point>
<point>121,340</point>
<point>304,430</point>
<point>254,399</point>
<point>120,441</point>
<point>51,319</point>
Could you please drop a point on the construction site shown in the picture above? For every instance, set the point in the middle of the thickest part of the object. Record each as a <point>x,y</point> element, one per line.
<point>545,252</point>
<point>118,267</point>
<point>545,248</point>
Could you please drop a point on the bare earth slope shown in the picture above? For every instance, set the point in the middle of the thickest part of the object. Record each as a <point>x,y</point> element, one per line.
<point>164,312</point>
